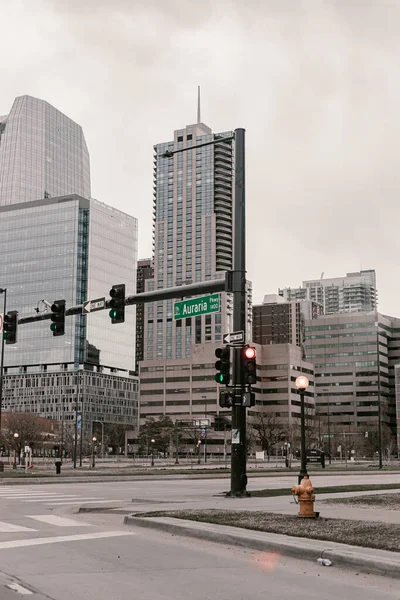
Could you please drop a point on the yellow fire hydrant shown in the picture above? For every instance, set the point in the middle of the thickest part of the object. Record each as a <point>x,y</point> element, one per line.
<point>305,494</point>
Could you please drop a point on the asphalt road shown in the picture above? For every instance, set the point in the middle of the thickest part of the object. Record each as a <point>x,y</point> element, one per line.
<point>49,550</point>
<point>157,566</point>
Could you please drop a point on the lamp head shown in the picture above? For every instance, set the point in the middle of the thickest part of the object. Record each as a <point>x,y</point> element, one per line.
<point>302,382</point>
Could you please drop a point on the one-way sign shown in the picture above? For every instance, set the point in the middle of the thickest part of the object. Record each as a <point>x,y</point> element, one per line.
<point>93,305</point>
<point>236,337</point>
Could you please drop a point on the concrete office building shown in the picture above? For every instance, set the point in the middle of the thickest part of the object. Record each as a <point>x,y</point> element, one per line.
<point>184,389</point>
<point>75,249</point>
<point>144,271</point>
<point>350,379</point>
<point>397,397</point>
<point>354,293</point>
<point>43,153</point>
<point>278,367</point>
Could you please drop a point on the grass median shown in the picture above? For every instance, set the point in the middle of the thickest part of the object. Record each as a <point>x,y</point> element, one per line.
<point>383,501</point>
<point>355,533</point>
<point>333,489</point>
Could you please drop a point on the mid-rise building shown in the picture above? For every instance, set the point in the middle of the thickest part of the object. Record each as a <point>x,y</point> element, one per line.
<point>144,271</point>
<point>354,368</point>
<point>43,154</point>
<point>354,293</point>
<point>277,321</point>
<point>185,390</point>
<point>278,367</point>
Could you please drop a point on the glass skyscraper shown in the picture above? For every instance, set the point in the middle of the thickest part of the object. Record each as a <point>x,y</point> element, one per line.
<point>58,243</point>
<point>43,153</point>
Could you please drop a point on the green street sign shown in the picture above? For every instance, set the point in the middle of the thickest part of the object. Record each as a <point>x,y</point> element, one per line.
<point>328,435</point>
<point>197,306</point>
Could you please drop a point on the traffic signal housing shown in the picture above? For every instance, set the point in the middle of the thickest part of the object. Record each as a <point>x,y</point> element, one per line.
<point>249,364</point>
<point>117,303</point>
<point>223,365</point>
<point>226,399</point>
<point>58,317</point>
<point>10,327</point>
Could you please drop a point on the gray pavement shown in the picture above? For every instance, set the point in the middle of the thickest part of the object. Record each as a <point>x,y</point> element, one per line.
<point>157,566</point>
<point>50,549</point>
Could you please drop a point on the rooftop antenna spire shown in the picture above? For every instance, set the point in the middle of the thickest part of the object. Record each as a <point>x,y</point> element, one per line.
<point>198,104</point>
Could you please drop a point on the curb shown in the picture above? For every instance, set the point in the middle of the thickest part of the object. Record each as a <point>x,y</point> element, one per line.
<point>366,560</point>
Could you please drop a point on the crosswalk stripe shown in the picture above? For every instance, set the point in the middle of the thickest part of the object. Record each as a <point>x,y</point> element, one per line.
<point>32,492</point>
<point>81,501</point>
<point>77,499</point>
<point>58,521</point>
<point>62,538</point>
<point>10,528</point>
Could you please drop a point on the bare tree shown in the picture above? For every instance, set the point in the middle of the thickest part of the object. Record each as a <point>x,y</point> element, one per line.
<point>268,429</point>
<point>29,428</point>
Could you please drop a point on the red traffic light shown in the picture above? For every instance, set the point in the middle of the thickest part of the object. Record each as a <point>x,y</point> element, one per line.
<point>250,353</point>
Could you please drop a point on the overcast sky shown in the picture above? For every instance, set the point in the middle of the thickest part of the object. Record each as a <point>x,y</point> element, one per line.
<point>316,85</point>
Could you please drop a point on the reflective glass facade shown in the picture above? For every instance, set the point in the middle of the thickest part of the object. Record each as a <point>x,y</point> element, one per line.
<point>74,249</point>
<point>43,153</point>
<point>112,260</point>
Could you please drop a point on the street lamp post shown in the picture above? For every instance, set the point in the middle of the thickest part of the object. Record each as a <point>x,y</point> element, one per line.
<point>15,436</point>
<point>205,434</point>
<point>176,444</point>
<point>102,435</point>
<point>94,439</point>
<point>302,385</point>
<point>4,292</point>
<point>152,441</point>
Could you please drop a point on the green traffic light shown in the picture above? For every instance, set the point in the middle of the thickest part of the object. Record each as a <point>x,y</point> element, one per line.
<point>5,335</point>
<point>113,313</point>
<point>221,378</point>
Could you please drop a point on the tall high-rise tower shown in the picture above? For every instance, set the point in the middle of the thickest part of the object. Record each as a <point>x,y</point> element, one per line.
<point>43,154</point>
<point>192,231</point>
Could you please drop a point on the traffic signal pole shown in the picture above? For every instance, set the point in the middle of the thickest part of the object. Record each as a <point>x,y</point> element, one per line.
<point>239,451</point>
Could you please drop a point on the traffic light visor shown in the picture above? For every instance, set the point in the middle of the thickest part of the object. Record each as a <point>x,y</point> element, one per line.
<point>222,353</point>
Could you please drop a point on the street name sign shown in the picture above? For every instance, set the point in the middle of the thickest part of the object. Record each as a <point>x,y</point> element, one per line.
<point>197,306</point>
<point>236,337</point>
<point>93,305</point>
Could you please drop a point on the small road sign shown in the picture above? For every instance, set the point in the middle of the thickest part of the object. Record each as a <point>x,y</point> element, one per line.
<point>93,305</point>
<point>1,322</point>
<point>197,306</point>
<point>236,337</point>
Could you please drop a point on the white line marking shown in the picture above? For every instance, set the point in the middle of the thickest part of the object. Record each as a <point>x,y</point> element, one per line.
<point>82,501</point>
<point>15,587</point>
<point>62,538</point>
<point>41,495</point>
<point>58,521</point>
<point>10,528</point>
<point>50,499</point>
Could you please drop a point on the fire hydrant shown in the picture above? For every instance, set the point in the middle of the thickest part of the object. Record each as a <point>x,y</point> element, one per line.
<point>305,494</point>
